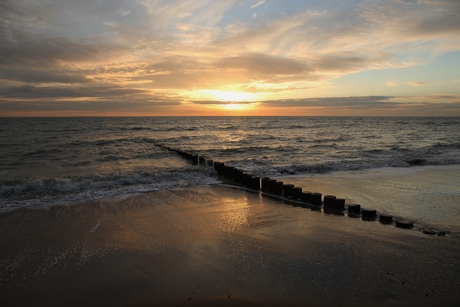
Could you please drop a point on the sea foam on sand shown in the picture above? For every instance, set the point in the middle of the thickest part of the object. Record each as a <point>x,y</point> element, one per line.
<point>214,245</point>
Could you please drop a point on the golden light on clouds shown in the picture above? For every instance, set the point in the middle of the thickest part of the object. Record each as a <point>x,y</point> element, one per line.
<point>185,57</point>
<point>231,96</point>
<point>238,106</point>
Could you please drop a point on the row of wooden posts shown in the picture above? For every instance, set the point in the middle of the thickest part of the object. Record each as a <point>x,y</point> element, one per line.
<point>289,191</point>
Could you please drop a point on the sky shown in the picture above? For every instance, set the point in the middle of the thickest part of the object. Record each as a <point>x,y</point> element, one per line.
<point>232,57</point>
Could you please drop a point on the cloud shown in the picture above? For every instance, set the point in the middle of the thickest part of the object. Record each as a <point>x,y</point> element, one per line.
<point>392,83</point>
<point>28,75</point>
<point>262,64</point>
<point>409,83</point>
<point>360,101</point>
<point>183,72</point>
<point>35,92</point>
<point>408,105</point>
<point>348,102</point>
<point>257,4</point>
<point>350,62</point>
<point>416,83</point>
<point>45,51</point>
<point>442,97</point>
<point>267,37</point>
<point>92,107</point>
<point>443,18</point>
<point>137,49</point>
<point>215,102</point>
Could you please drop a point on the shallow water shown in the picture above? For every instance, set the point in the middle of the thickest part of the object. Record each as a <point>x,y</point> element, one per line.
<point>429,195</point>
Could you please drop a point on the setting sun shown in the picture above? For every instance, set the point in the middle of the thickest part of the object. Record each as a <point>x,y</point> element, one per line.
<point>237,106</point>
<point>232,96</point>
<point>234,101</point>
<point>257,57</point>
<point>227,100</point>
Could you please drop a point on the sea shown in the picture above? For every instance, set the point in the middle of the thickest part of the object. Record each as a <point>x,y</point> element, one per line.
<point>55,160</point>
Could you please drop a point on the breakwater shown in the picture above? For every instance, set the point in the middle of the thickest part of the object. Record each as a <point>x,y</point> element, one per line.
<point>298,196</point>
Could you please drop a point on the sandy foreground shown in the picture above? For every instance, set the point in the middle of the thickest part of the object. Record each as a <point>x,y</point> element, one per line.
<point>218,246</point>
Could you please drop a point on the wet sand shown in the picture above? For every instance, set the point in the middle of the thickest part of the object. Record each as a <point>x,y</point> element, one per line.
<point>214,245</point>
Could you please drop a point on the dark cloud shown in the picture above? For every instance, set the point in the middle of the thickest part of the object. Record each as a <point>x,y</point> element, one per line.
<point>439,96</point>
<point>443,18</point>
<point>415,104</point>
<point>214,102</point>
<point>340,63</point>
<point>361,101</point>
<point>262,64</point>
<point>48,50</point>
<point>409,105</point>
<point>88,106</point>
<point>36,92</point>
<point>178,63</point>
<point>349,62</point>
<point>441,24</point>
<point>41,33</point>
<point>28,75</point>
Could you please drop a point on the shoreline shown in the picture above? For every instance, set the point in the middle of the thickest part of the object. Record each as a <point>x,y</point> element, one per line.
<point>429,194</point>
<point>212,245</point>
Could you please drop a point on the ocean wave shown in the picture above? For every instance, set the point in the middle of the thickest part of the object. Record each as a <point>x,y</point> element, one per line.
<point>333,145</point>
<point>45,190</point>
<point>64,130</point>
<point>373,151</point>
<point>112,158</point>
<point>265,166</point>
<point>43,152</point>
<point>268,146</point>
<point>106,142</point>
<point>399,148</point>
<point>296,127</point>
<point>322,140</point>
<point>137,128</point>
<point>227,127</point>
<point>439,145</point>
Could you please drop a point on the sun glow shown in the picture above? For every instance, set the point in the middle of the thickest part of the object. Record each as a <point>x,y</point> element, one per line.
<point>227,100</point>
<point>231,96</point>
<point>235,101</point>
<point>236,106</point>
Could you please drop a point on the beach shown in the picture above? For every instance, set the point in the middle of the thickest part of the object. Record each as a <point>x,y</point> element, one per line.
<point>106,211</point>
<point>214,245</point>
<point>230,153</point>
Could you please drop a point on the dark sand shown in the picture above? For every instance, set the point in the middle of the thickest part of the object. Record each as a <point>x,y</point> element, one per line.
<point>212,245</point>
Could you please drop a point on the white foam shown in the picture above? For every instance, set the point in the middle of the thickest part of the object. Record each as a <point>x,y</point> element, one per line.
<point>43,191</point>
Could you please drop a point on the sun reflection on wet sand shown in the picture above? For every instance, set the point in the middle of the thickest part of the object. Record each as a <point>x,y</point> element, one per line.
<point>203,243</point>
<point>233,214</point>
